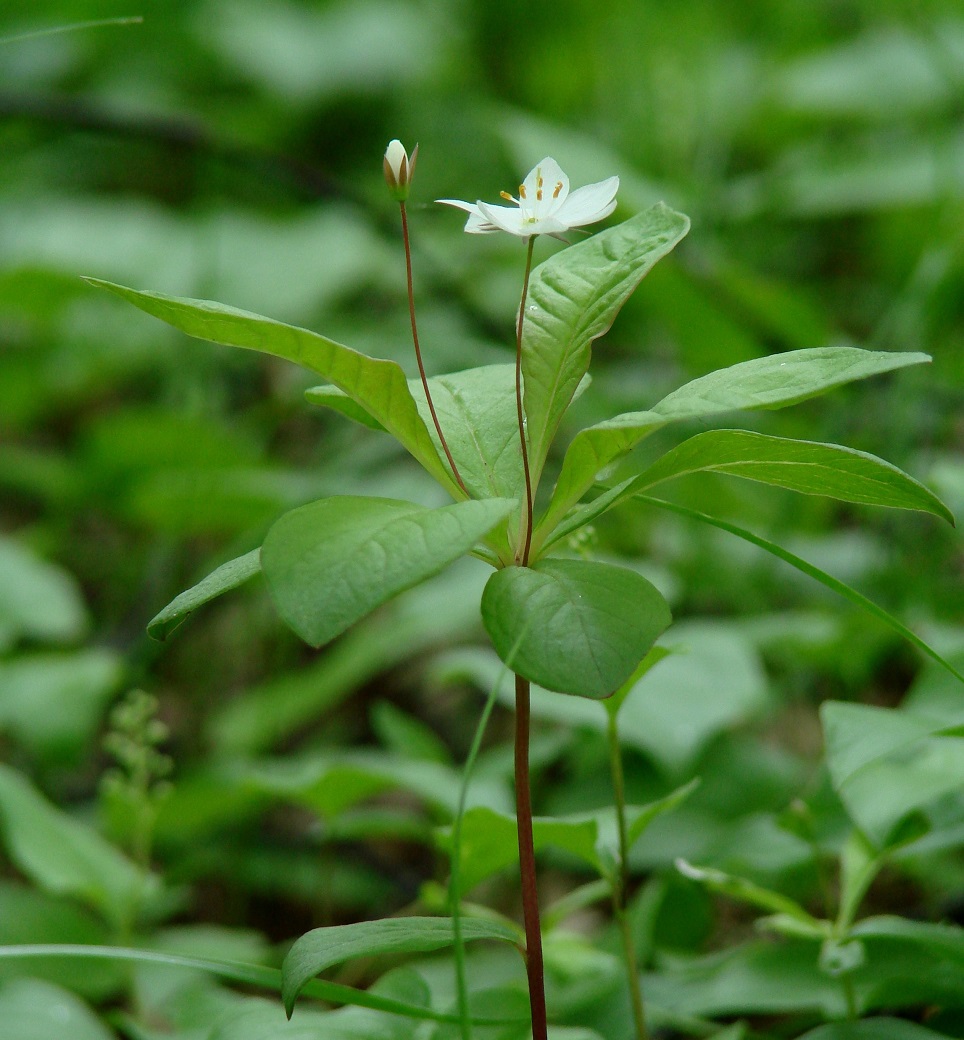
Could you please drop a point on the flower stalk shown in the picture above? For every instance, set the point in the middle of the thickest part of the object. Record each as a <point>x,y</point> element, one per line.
<point>523,555</point>
<point>399,169</point>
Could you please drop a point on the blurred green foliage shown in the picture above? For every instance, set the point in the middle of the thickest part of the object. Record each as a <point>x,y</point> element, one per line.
<point>231,149</point>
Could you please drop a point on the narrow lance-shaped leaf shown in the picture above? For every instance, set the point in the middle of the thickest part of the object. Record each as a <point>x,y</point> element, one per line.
<point>806,466</point>
<point>573,299</point>
<point>228,576</point>
<point>331,562</point>
<point>771,382</point>
<point>322,948</point>
<point>378,386</point>
<point>809,569</point>
<point>573,626</point>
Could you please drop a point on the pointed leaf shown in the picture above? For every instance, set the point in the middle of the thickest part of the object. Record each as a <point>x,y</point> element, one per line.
<point>65,857</point>
<point>770,382</point>
<point>573,626</point>
<point>573,299</point>
<point>477,412</point>
<point>806,466</point>
<point>228,576</point>
<point>814,572</point>
<point>379,387</point>
<point>322,948</point>
<point>331,562</point>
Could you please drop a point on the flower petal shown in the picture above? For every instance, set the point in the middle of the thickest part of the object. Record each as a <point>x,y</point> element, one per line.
<point>545,176</point>
<point>477,224</point>
<point>590,203</point>
<point>507,218</point>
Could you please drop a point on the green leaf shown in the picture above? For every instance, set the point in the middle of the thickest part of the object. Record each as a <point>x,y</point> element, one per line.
<point>228,576</point>
<point>573,626</point>
<point>805,466</point>
<point>614,703</point>
<point>34,1010</point>
<point>885,764</point>
<point>331,562</point>
<point>814,572</point>
<point>37,599</point>
<point>944,940</point>
<point>477,412</point>
<point>379,387</point>
<point>322,948</point>
<point>771,382</point>
<point>332,782</point>
<point>639,817</point>
<point>53,702</point>
<point>490,841</point>
<point>712,680</point>
<point>573,299</point>
<point>749,892</point>
<point>64,857</point>
<point>328,396</point>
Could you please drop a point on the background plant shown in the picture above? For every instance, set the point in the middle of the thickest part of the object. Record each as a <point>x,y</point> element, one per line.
<point>784,176</point>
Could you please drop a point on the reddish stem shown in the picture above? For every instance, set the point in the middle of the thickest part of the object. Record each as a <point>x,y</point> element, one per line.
<point>527,864</point>
<point>418,351</point>
<point>524,558</point>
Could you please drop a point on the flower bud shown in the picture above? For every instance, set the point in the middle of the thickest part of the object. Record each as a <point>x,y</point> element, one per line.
<point>399,169</point>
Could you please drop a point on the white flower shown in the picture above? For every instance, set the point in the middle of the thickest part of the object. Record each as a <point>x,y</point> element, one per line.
<point>399,169</point>
<point>544,205</point>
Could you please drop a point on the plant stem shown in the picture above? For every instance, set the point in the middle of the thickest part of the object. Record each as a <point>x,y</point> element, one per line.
<point>621,882</point>
<point>455,884</point>
<point>523,558</point>
<point>418,351</point>
<point>527,864</point>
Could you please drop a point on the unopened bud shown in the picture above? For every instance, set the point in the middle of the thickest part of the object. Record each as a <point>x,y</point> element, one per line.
<point>399,169</point>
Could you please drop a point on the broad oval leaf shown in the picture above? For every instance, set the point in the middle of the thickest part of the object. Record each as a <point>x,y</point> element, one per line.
<point>228,576</point>
<point>806,466</point>
<point>573,299</point>
<point>331,562</point>
<point>379,387</point>
<point>776,381</point>
<point>322,948</point>
<point>573,626</point>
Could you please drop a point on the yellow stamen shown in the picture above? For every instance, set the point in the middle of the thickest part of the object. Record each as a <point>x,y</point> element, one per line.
<point>539,194</point>
<point>505,195</point>
<point>557,189</point>
<point>522,191</point>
